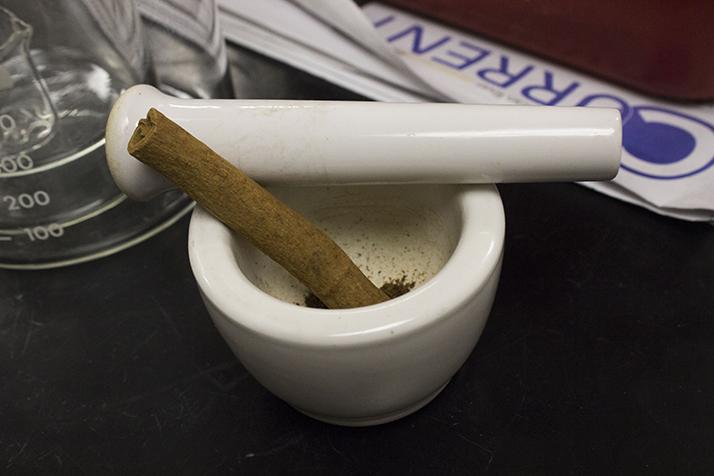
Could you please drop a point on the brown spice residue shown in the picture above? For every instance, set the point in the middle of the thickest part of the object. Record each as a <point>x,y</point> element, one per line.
<point>396,287</point>
<point>392,288</point>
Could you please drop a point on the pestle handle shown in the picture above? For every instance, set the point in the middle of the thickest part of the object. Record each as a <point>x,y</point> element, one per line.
<point>335,142</point>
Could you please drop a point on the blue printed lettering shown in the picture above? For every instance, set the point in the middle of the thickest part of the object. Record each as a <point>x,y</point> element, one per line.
<point>465,60</point>
<point>417,46</point>
<point>501,76</point>
<point>607,100</point>
<point>547,94</point>
<point>383,21</point>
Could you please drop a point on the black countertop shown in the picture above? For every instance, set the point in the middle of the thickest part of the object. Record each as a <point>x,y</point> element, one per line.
<point>598,357</point>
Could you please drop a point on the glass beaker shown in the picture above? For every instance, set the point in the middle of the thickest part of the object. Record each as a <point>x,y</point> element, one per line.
<point>29,126</point>
<point>62,65</point>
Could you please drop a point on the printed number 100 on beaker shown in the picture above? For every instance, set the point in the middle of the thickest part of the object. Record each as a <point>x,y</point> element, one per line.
<point>62,65</point>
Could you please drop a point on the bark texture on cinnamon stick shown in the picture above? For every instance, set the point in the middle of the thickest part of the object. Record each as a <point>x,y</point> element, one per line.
<point>250,210</point>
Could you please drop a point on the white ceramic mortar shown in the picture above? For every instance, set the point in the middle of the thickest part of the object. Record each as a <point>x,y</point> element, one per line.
<point>367,365</point>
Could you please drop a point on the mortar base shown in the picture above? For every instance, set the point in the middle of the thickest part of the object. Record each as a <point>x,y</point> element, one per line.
<point>377,419</point>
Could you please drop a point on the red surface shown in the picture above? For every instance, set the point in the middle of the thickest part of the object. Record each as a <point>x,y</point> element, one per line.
<point>660,47</point>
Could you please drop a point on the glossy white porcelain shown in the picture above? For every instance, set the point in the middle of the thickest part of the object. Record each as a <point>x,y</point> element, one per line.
<point>323,142</point>
<point>373,364</point>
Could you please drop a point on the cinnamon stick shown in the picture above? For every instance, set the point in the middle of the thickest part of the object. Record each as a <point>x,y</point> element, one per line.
<point>248,209</point>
